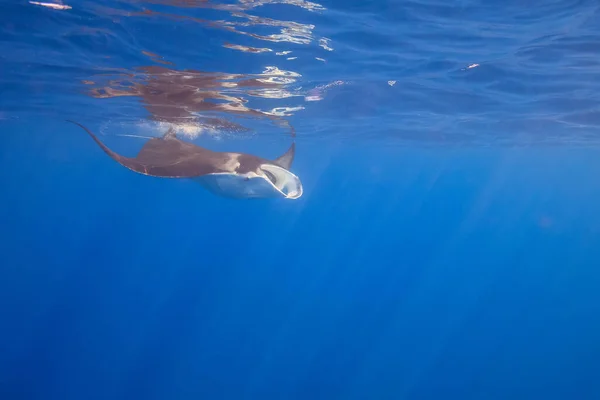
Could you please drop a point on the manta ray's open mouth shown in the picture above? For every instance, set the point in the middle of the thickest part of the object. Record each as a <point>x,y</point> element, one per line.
<point>283,180</point>
<point>271,177</point>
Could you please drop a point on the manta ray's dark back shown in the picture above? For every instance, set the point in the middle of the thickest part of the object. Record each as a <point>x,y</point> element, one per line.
<point>170,157</point>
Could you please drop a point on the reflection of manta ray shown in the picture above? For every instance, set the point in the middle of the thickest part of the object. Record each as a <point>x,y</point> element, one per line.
<point>228,174</point>
<point>187,96</point>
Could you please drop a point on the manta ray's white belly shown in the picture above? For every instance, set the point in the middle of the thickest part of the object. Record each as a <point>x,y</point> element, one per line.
<point>239,186</point>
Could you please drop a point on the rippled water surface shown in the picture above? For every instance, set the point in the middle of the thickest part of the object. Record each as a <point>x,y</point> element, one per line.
<point>422,71</point>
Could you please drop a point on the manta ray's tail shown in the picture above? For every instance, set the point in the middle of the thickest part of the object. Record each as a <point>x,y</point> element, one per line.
<point>120,159</point>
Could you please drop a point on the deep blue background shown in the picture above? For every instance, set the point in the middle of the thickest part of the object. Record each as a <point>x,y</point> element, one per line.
<point>425,260</point>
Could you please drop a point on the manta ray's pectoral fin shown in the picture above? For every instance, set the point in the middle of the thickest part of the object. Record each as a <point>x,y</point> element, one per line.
<point>170,134</point>
<point>286,159</point>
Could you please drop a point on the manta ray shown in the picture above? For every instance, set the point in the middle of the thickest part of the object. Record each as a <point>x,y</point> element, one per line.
<point>236,175</point>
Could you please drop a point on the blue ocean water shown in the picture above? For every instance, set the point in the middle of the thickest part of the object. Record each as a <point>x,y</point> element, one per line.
<point>446,245</point>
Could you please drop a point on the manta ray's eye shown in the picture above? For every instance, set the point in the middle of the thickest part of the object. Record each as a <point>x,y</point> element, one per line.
<point>270,176</point>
